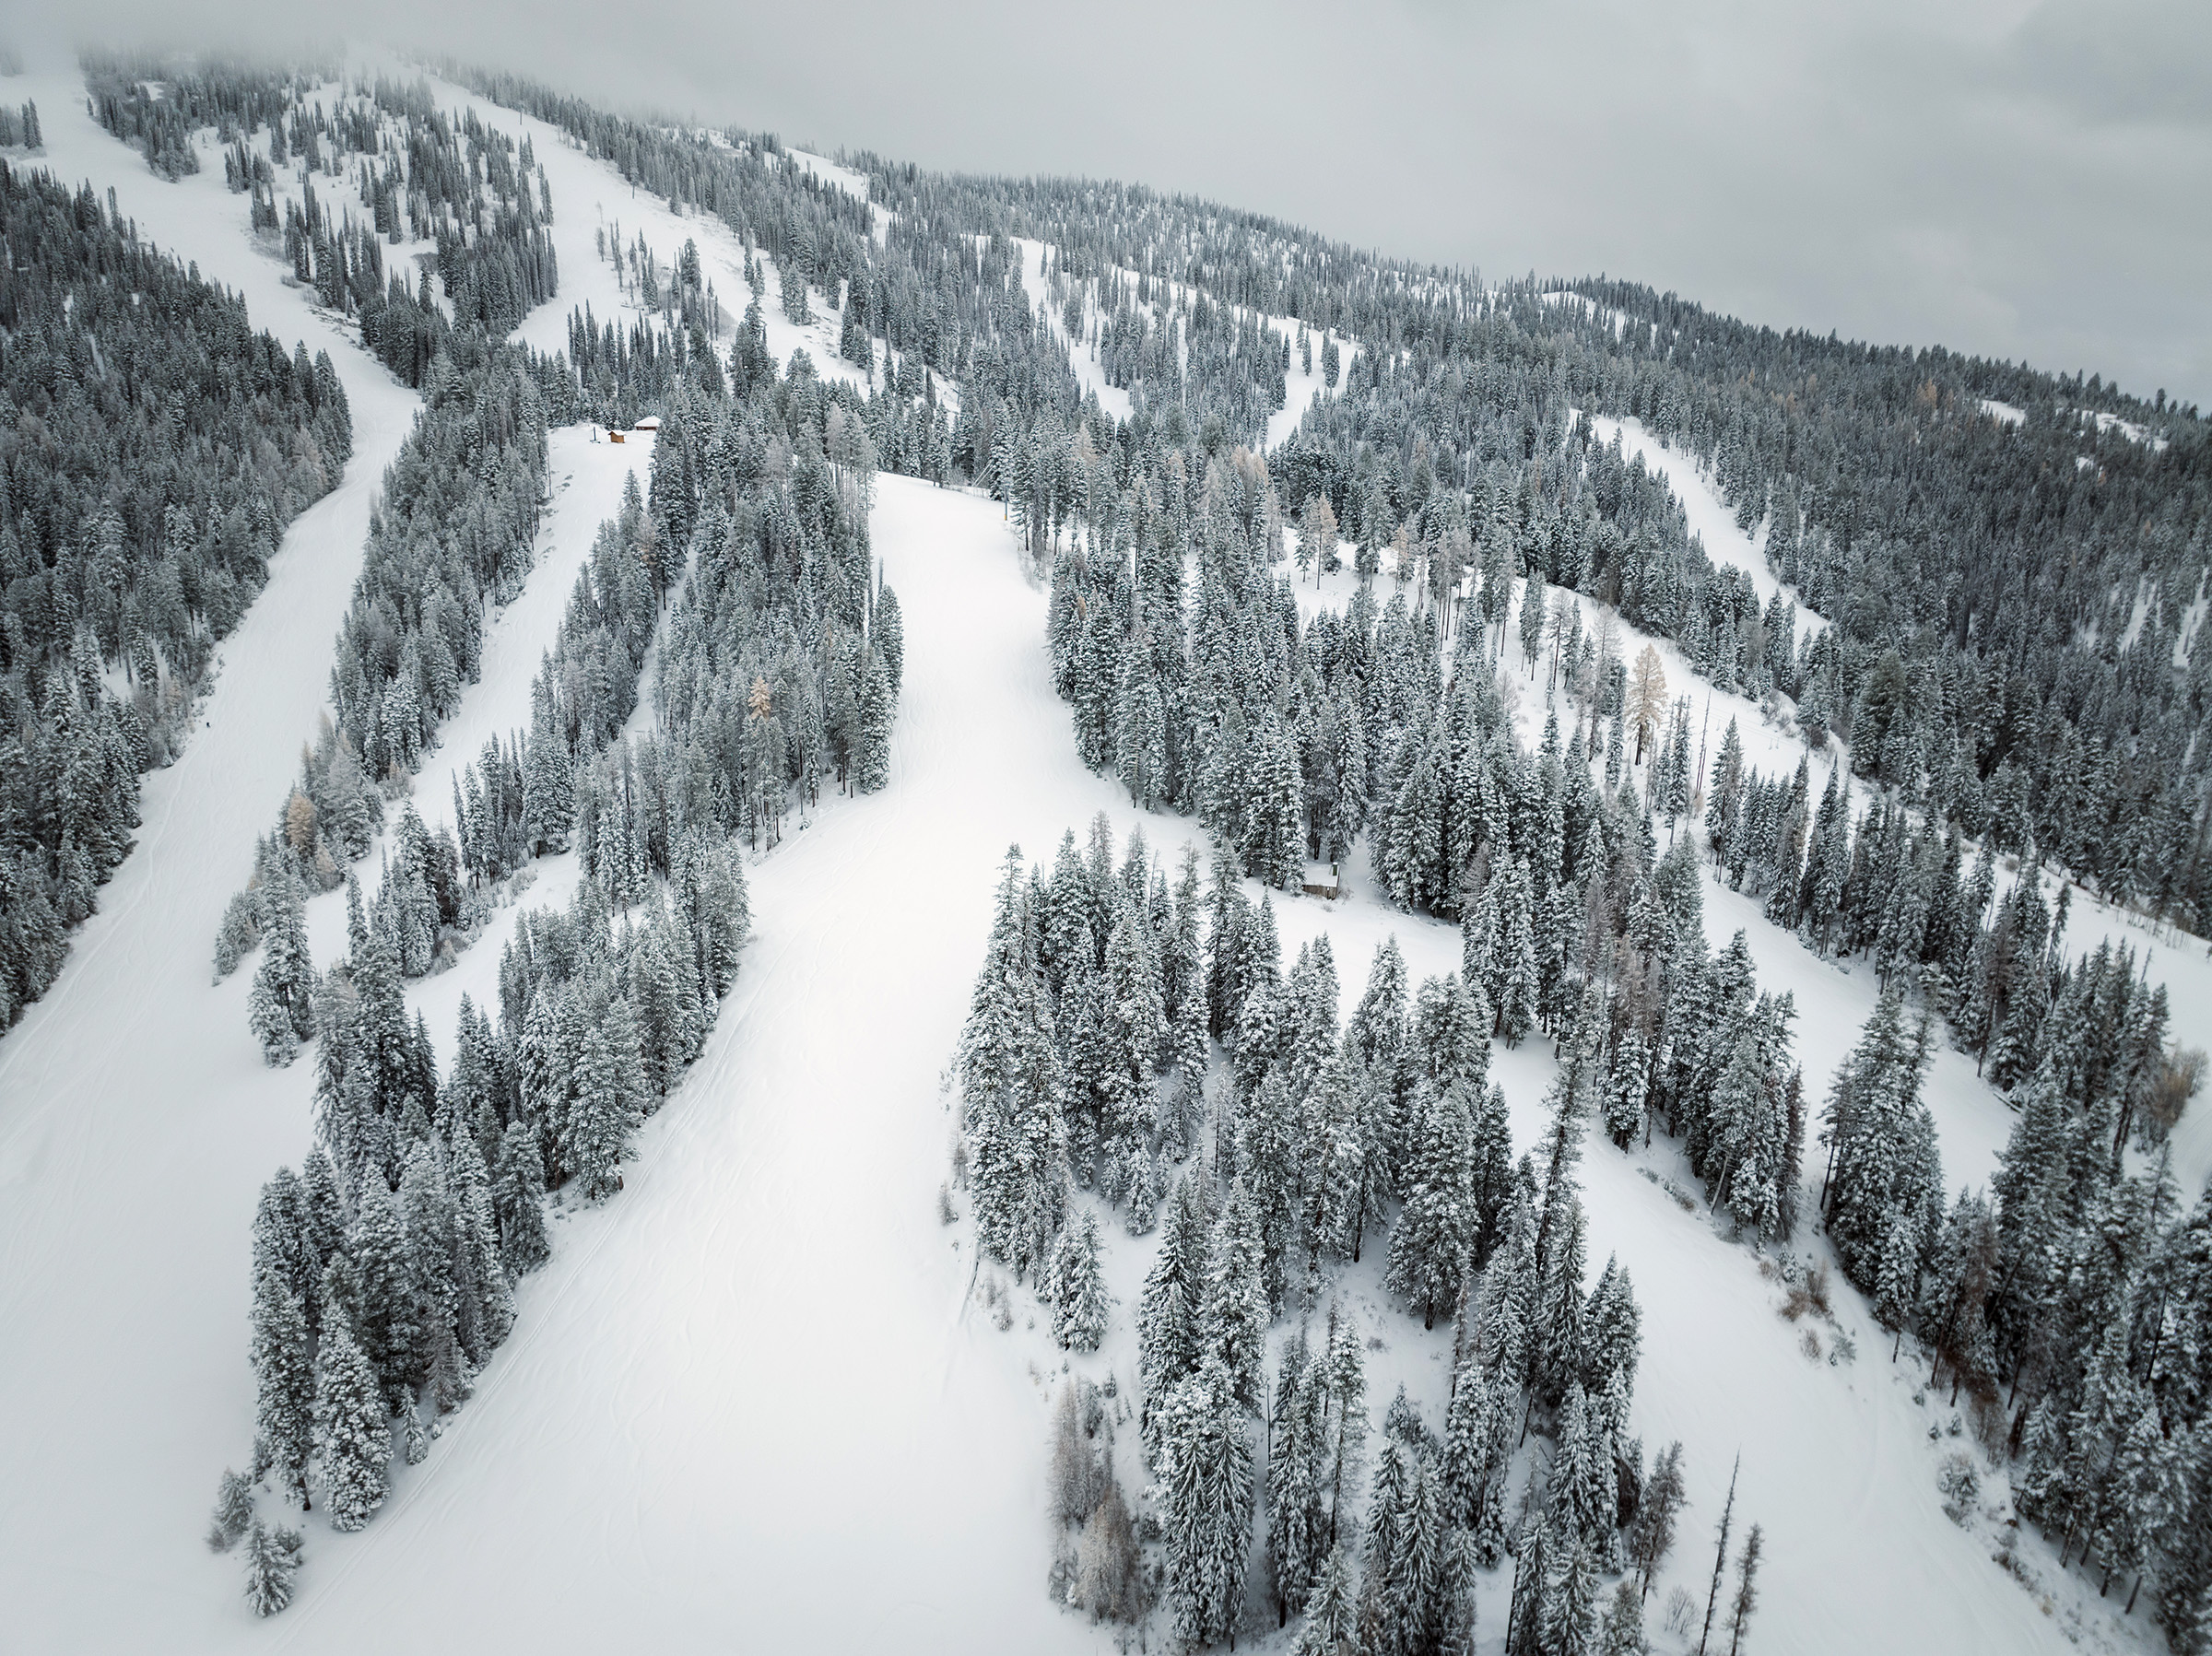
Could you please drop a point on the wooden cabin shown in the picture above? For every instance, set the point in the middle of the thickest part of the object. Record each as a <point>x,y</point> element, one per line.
<point>652,422</point>
<point>1323,880</point>
<point>613,436</point>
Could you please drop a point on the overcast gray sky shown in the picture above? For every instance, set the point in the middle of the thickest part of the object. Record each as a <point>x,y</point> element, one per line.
<point>2022,179</point>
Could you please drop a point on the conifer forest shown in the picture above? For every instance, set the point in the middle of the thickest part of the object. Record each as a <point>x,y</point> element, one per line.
<point>757,897</point>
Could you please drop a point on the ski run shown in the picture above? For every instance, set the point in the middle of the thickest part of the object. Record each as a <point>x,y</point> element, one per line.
<point>764,1400</point>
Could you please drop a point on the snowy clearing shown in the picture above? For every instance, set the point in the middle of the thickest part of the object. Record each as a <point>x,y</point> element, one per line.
<point>2128,429</point>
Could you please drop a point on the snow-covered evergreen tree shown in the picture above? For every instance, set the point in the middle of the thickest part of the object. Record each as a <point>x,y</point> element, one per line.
<point>1202,1490</point>
<point>284,1378</point>
<point>272,1557</point>
<point>1080,1303</point>
<point>1434,1239</point>
<point>233,1511</point>
<point>353,1432</point>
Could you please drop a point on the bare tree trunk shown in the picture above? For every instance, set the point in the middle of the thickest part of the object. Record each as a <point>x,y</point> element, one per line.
<point>1720,1556</point>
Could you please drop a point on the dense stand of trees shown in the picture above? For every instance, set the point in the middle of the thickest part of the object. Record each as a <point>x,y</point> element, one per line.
<point>1091,1027</point>
<point>2010,599</point>
<point>153,446</point>
<point>2070,1305</point>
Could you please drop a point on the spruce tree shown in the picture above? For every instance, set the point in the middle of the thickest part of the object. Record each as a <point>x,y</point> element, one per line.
<point>1168,1314</point>
<point>269,1018</point>
<point>1431,1245</point>
<point>609,1085</point>
<point>384,1319</point>
<point>1882,1139</point>
<point>1621,1632</point>
<point>353,1431</point>
<point>1747,1596</point>
<point>518,1198</point>
<point>1080,1303</point>
<point>233,1510</point>
<point>1297,1515</point>
<point>284,1378</point>
<point>872,751</point>
<point>1343,1416</point>
<point>1332,1623</point>
<point>1652,1535</point>
<point>1234,1316</point>
<point>272,1559</point>
<point>1568,1615</point>
<point>1202,1490</point>
<point>1011,1090</point>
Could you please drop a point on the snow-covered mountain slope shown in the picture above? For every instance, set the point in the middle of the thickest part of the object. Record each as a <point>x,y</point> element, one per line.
<point>136,1118</point>
<point>1973,1122</point>
<point>140,1123</point>
<point>590,196</point>
<point>760,1371</point>
<point>754,1402</point>
<point>768,1333</point>
<point>588,476</point>
<point>136,1121</point>
<point>761,1365</point>
<point>748,1401</point>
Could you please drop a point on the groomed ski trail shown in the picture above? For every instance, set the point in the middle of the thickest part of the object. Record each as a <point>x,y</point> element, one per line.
<point>136,1121</point>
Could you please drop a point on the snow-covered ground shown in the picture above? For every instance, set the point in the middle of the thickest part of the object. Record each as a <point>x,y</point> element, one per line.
<point>2004,413</point>
<point>757,1374</point>
<point>852,184</point>
<point>752,1402</point>
<point>589,197</point>
<point>2131,429</point>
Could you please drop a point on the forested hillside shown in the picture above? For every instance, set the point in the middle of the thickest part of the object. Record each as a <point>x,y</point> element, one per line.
<point>1356,586</point>
<point>383,1273</point>
<point>155,446</point>
<point>1455,445</point>
<point>2011,560</point>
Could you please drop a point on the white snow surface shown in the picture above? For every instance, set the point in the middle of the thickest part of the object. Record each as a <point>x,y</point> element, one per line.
<point>2131,429</point>
<point>852,182</point>
<point>751,1401</point>
<point>2004,413</point>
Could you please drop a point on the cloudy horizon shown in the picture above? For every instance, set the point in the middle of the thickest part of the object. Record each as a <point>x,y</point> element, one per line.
<point>2016,180</point>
